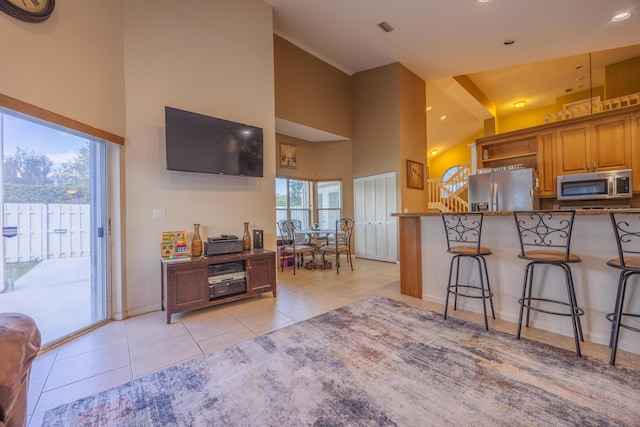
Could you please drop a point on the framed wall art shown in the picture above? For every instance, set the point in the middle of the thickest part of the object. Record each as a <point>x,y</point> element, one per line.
<point>287,155</point>
<point>415,175</point>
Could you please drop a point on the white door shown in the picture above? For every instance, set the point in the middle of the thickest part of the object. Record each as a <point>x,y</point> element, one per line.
<point>376,234</point>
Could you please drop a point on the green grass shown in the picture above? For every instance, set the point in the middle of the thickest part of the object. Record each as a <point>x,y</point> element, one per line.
<point>14,271</point>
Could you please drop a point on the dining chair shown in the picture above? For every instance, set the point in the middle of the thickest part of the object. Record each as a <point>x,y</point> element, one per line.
<point>293,248</point>
<point>341,242</point>
<point>283,242</point>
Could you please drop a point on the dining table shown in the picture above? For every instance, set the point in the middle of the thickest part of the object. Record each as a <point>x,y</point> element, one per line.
<point>313,237</point>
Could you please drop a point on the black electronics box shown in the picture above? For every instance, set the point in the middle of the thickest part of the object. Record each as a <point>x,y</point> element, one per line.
<point>258,239</point>
<point>222,245</point>
<point>227,288</point>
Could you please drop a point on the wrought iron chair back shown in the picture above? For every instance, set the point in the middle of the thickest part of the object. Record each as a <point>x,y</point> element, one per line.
<point>341,242</point>
<point>626,227</point>
<point>464,231</point>
<point>545,234</point>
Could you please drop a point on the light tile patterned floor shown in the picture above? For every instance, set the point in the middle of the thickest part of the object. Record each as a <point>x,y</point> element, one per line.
<point>123,350</point>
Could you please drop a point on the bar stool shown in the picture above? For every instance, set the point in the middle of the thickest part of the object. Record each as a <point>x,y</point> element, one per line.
<point>545,239</point>
<point>464,232</point>
<point>626,227</point>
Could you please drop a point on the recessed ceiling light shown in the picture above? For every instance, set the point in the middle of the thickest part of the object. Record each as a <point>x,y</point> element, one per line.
<point>385,26</point>
<point>519,104</point>
<point>443,117</point>
<point>483,1</point>
<point>429,108</point>
<point>621,16</point>
<point>433,152</point>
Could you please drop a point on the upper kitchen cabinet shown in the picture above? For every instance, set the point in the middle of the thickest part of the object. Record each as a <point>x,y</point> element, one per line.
<point>611,144</point>
<point>598,146</point>
<point>547,163</point>
<point>573,149</point>
<point>635,150</point>
<point>603,141</point>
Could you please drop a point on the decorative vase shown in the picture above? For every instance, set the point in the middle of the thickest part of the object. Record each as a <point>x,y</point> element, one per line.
<point>246,238</point>
<point>196,243</point>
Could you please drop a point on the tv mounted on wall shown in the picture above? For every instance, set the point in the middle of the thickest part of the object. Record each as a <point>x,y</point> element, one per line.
<point>205,144</point>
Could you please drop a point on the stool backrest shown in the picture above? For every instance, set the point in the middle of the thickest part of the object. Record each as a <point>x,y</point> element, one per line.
<point>548,231</point>
<point>463,229</point>
<point>344,228</point>
<point>626,227</point>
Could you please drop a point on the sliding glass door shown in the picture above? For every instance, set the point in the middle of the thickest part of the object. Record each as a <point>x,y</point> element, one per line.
<point>54,225</point>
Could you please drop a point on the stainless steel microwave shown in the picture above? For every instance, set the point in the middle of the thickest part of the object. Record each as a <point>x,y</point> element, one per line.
<point>595,185</point>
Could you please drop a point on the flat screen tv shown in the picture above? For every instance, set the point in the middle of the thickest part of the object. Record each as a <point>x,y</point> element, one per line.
<point>205,144</point>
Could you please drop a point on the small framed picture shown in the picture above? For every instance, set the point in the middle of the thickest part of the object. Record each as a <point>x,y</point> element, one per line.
<point>415,175</point>
<point>287,155</point>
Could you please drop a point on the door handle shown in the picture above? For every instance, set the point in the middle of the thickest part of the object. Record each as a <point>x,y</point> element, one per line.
<point>494,197</point>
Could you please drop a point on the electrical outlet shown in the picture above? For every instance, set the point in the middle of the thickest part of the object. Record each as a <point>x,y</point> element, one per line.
<point>159,214</point>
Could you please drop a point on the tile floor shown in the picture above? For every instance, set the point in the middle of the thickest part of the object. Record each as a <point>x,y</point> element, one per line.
<point>123,350</point>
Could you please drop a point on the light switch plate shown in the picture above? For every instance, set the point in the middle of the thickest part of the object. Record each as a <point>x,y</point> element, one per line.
<point>159,214</point>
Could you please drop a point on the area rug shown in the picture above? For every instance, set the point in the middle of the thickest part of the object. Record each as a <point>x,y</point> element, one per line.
<point>376,362</point>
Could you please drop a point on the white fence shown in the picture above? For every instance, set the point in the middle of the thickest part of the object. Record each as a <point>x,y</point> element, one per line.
<point>46,231</point>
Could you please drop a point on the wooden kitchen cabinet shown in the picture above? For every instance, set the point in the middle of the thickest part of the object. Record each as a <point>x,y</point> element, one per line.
<point>573,155</point>
<point>611,144</point>
<point>603,141</point>
<point>547,164</point>
<point>598,146</point>
<point>185,285</point>
<point>635,151</point>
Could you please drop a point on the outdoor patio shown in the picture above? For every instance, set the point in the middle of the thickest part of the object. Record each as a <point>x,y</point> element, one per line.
<point>56,294</point>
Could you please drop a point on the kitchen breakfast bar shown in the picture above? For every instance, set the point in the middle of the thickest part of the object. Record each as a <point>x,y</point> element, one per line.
<point>424,270</point>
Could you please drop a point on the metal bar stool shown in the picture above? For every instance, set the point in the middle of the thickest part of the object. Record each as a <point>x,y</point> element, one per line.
<point>464,232</point>
<point>626,227</point>
<point>545,239</point>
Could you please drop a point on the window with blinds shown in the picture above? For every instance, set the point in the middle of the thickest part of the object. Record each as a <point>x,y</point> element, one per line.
<point>294,200</point>
<point>329,196</point>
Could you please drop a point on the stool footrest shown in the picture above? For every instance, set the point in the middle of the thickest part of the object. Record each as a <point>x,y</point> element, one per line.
<point>487,293</point>
<point>611,317</point>
<point>527,303</point>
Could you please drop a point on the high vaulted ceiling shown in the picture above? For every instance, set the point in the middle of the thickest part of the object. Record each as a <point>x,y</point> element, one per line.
<point>438,39</point>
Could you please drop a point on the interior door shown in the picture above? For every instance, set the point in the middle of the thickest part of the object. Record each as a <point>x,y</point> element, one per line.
<point>375,230</point>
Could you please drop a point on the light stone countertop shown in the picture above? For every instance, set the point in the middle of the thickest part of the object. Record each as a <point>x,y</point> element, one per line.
<point>510,213</point>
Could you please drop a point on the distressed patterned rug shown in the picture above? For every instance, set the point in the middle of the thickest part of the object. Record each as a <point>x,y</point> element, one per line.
<point>376,362</point>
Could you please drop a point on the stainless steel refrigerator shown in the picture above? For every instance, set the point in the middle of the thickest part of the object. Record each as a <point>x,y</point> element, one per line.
<point>505,190</point>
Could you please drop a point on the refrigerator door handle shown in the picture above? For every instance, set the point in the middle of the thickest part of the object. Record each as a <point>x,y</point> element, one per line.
<point>494,197</point>
<point>531,198</point>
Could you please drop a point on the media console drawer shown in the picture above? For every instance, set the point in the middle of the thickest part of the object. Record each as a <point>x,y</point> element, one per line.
<point>218,279</point>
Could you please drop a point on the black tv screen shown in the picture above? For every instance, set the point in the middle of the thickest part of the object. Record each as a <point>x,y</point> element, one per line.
<point>205,144</point>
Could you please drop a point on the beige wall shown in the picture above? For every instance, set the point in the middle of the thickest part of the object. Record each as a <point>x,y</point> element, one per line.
<point>188,55</point>
<point>376,121</point>
<point>622,78</point>
<point>390,127</point>
<point>309,91</point>
<point>305,165</point>
<point>71,64</point>
<point>321,160</point>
